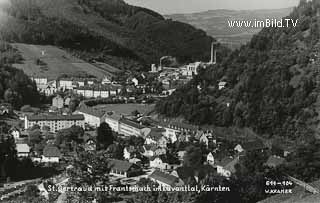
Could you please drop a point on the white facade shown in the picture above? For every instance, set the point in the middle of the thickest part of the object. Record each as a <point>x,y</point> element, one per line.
<point>91,119</point>
<point>55,123</point>
<point>66,84</point>
<point>45,159</point>
<point>158,163</point>
<point>210,159</point>
<point>113,123</point>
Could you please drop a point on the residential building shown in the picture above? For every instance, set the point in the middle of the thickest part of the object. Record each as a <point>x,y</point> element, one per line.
<point>51,154</point>
<point>164,179</point>
<point>123,168</point>
<point>173,129</point>
<point>15,132</point>
<point>135,81</point>
<point>222,85</point>
<point>226,166</point>
<point>58,102</point>
<point>162,162</point>
<point>210,158</point>
<point>55,122</point>
<point>23,150</point>
<point>274,161</point>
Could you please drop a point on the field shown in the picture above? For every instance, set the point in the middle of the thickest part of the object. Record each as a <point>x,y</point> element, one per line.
<point>126,109</point>
<point>52,62</point>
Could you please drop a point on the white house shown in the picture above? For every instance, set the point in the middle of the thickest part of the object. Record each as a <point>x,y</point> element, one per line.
<point>210,159</point>
<point>222,85</point>
<point>23,150</point>
<point>15,133</point>
<point>238,148</point>
<point>135,81</point>
<point>160,163</point>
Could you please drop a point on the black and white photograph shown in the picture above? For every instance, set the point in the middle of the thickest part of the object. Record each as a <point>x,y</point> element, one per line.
<point>159,101</point>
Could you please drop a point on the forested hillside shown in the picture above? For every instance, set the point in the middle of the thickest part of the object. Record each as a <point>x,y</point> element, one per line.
<point>272,83</point>
<point>15,87</point>
<point>106,30</point>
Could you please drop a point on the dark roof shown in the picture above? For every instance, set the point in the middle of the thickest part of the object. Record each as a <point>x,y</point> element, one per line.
<point>91,111</point>
<point>164,178</point>
<point>131,123</point>
<point>156,133</point>
<point>55,117</point>
<point>253,145</point>
<point>274,161</point>
<point>51,151</point>
<point>119,165</point>
<point>179,126</point>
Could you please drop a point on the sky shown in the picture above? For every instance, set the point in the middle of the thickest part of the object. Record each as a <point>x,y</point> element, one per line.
<point>190,6</point>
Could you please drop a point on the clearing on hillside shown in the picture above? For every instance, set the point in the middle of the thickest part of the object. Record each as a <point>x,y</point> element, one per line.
<point>51,62</point>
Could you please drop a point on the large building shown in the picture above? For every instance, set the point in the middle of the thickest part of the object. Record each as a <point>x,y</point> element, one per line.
<point>130,128</point>
<point>92,116</point>
<point>53,121</point>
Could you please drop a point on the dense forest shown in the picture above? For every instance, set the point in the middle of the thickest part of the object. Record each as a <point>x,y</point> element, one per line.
<point>16,88</point>
<point>272,83</point>
<point>125,36</point>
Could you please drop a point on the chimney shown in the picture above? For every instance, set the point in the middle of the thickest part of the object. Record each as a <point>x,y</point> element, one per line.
<point>212,53</point>
<point>213,59</point>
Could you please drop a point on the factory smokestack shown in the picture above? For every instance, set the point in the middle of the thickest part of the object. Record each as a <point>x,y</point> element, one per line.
<point>213,54</point>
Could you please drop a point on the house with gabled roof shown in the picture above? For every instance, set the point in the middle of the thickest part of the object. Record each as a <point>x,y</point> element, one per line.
<point>123,168</point>
<point>210,159</point>
<point>274,161</point>
<point>165,179</point>
<point>253,145</point>
<point>51,154</point>
<point>23,150</point>
<point>226,166</point>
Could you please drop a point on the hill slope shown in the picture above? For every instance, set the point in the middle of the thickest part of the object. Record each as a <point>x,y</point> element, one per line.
<point>215,22</point>
<point>106,30</point>
<point>272,83</point>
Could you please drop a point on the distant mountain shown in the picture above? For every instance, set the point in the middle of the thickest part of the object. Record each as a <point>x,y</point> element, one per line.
<point>110,31</point>
<point>215,22</point>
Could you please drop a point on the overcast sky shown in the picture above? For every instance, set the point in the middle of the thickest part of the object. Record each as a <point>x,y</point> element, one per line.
<point>189,6</point>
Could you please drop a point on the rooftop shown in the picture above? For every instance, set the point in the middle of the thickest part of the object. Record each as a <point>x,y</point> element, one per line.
<point>131,123</point>
<point>164,178</point>
<point>119,165</point>
<point>54,117</point>
<point>274,161</point>
<point>23,148</point>
<point>51,151</point>
<point>91,111</point>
